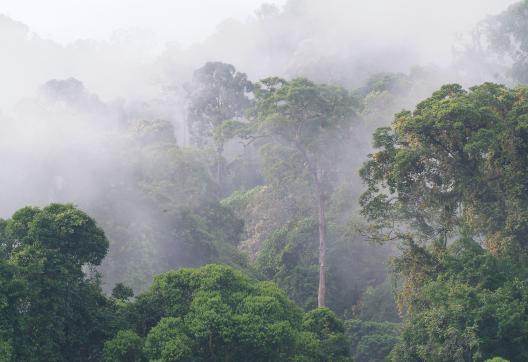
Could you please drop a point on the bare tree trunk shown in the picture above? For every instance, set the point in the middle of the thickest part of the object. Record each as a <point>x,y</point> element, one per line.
<point>322,245</point>
<point>218,169</point>
<point>219,151</point>
<point>317,174</point>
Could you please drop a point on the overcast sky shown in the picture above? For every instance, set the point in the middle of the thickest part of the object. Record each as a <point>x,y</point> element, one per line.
<point>186,21</point>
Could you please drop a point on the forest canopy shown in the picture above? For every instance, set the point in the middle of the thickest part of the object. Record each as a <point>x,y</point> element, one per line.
<point>306,185</point>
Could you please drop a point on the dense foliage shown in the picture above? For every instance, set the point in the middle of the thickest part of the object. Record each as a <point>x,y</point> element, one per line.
<point>51,310</point>
<point>449,181</point>
<point>457,162</point>
<point>468,306</point>
<point>371,341</point>
<point>251,237</point>
<point>217,314</point>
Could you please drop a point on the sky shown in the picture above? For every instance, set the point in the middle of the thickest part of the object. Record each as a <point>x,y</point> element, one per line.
<point>186,21</point>
<point>134,45</point>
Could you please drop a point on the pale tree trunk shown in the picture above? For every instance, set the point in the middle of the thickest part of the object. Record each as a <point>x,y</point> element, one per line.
<point>219,171</point>
<point>322,244</point>
<point>317,174</point>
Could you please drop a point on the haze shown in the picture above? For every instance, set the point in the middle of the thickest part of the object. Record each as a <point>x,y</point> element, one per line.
<point>65,21</point>
<point>264,180</point>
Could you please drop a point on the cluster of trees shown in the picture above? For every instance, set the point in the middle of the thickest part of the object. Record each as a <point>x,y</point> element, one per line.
<point>53,308</point>
<point>215,313</point>
<point>166,207</point>
<point>265,192</point>
<point>295,135</point>
<point>448,181</point>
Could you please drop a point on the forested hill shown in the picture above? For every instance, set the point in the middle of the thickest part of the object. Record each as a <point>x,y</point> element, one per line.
<point>289,218</point>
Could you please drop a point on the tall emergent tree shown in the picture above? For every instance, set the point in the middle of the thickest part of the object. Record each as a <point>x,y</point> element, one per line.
<point>307,124</point>
<point>217,93</point>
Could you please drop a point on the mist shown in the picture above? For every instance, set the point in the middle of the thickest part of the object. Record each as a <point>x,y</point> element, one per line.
<point>283,180</point>
<point>69,106</point>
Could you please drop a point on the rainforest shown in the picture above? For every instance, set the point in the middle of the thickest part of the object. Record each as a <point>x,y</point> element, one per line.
<point>298,180</point>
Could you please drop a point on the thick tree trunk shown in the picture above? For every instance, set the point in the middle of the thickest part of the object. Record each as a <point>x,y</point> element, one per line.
<point>322,246</point>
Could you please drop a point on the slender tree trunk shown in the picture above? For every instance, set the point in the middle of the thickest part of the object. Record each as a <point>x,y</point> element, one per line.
<point>219,151</point>
<point>322,245</point>
<point>218,169</point>
<point>316,171</point>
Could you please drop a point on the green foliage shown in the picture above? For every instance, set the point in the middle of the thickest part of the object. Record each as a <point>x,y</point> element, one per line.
<point>126,346</point>
<point>330,332</point>
<point>289,257</point>
<point>300,128</point>
<point>175,177</point>
<point>371,341</point>
<point>168,342</point>
<point>309,119</point>
<point>122,292</point>
<point>217,313</point>
<point>458,161</point>
<point>217,94</point>
<point>217,100</point>
<point>151,132</point>
<point>309,124</point>
<point>472,306</point>
<point>51,310</point>
<point>449,173</point>
<point>60,227</point>
<point>381,91</point>
<point>166,214</point>
<point>377,304</point>
<point>455,169</point>
<point>6,351</point>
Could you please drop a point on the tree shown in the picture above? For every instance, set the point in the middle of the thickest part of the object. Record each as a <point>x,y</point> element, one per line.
<point>217,93</point>
<point>162,210</point>
<point>458,162</point>
<point>122,292</point>
<point>377,304</point>
<point>506,35</point>
<point>307,123</point>
<point>167,341</point>
<point>126,346</point>
<point>448,181</point>
<point>53,310</point>
<point>371,341</point>
<point>215,313</point>
<point>470,307</point>
<point>330,332</point>
<point>289,257</point>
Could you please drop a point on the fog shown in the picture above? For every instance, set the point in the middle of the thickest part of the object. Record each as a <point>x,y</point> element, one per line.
<point>66,104</point>
<point>298,38</point>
